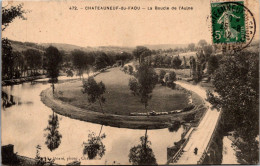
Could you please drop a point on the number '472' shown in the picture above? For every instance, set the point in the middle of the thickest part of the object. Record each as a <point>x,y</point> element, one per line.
<point>73,8</point>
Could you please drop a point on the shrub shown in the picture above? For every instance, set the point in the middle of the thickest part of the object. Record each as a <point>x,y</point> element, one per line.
<point>189,117</point>
<point>188,108</point>
<point>162,74</point>
<point>130,69</point>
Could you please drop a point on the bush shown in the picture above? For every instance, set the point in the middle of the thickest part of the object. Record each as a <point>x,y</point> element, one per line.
<point>189,117</point>
<point>130,69</point>
<point>125,69</point>
<point>162,74</point>
<point>188,108</point>
<point>69,73</point>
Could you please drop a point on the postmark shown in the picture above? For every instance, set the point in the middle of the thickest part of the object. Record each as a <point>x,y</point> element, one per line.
<point>233,25</point>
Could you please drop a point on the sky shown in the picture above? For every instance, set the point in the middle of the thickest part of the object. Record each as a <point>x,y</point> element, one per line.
<point>54,22</point>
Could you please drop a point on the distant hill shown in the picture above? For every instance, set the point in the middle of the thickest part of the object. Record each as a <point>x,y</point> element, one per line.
<point>22,46</point>
<point>62,46</point>
<point>165,46</point>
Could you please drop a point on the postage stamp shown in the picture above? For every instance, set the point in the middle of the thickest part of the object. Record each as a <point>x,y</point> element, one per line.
<point>233,25</point>
<point>228,22</point>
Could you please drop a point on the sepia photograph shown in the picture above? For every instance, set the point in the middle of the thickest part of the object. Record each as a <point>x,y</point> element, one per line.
<point>129,82</point>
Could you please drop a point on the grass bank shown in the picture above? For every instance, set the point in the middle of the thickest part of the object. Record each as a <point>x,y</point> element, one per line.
<point>64,107</point>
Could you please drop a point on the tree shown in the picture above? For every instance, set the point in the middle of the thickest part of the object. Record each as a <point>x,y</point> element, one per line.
<point>192,67</point>
<point>237,84</point>
<point>53,60</point>
<point>184,62</point>
<point>102,60</point>
<point>171,79</point>
<point>19,64</point>
<point>175,126</point>
<point>146,79</point>
<point>89,60</point>
<point>176,62</point>
<point>78,59</point>
<point>94,91</point>
<point>141,52</point>
<point>33,59</point>
<point>167,61</point>
<point>94,146</point>
<point>202,43</point>
<point>208,49</point>
<point>53,137</point>
<point>142,154</point>
<point>130,69</point>
<point>213,64</point>
<point>8,15</point>
<point>162,74</point>
<point>7,58</point>
<point>156,60</point>
<point>191,46</point>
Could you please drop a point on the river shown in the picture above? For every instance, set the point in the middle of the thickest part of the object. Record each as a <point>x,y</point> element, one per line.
<point>24,123</point>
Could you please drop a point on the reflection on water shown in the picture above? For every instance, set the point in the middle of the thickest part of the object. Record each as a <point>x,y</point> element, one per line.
<point>7,101</point>
<point>41,161</point>
<point>53,136</point>
<point>23,126</point>
<point>94,147</point>
<point>142,154</point>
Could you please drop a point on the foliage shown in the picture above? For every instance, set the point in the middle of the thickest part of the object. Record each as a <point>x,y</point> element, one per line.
<point>175,126</point>
<point>161,76</point>
<point>172,76</point>
<point>53,60</point>
<point>134,86</point>
<point>146,79</point>
<point>33,58</point>
<point>130,69</point>
<point>124,56</point>
<point>213,64</point>
<point>7,58</point>
<point>208,49</point>
<point>142,154</point>
<point>53,137</point>
<point>94,147</point>
<point>236,82</point>
<point>141,52</point>
<point>8,15</point>
<point>94,91</point>
<point>189,117</point>
<point>78,59</point>
<point>167,61</point>
<point>202,43</point>
<point>191,46</point>
<point>41,161</point>
<point>176,62</point>
<point>102,60</point>
<point>69,73</point>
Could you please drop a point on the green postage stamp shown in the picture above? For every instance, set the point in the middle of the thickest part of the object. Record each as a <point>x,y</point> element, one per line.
<point>228,22</point>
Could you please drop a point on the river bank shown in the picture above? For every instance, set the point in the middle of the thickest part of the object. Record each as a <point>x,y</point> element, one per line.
<point>21,80</point>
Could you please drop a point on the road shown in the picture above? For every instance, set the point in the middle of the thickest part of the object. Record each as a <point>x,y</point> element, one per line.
<point>200,137</point>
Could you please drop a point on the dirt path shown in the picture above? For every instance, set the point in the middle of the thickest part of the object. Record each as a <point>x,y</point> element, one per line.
<point>201,136</point>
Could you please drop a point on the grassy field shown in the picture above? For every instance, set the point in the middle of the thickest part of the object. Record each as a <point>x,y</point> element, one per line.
<point>183,73</point>
<point>119,99</point>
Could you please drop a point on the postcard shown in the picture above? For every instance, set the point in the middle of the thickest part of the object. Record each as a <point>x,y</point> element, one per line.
<point>130,82</point>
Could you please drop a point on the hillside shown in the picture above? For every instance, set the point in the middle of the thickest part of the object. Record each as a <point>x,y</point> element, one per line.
<point>166,46</point>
